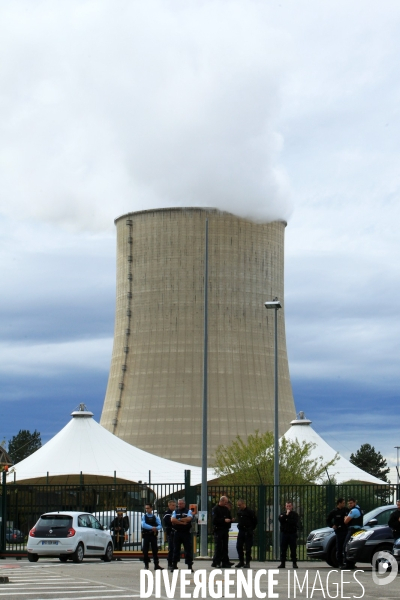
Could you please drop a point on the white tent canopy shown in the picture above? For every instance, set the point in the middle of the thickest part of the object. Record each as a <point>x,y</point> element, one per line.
<point>343,470</point>
<point>84,446</point>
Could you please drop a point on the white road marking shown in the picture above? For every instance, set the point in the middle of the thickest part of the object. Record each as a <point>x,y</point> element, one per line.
<point>38,582</point>
<point>90,591</point>
<point>72,586</point>
<point>96,597</point>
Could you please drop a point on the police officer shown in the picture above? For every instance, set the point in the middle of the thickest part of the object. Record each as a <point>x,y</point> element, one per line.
<point>394,521</point>
<point>151,525</point>
<point>221,521</point>
<point>169,531</point>
<point>118,526</point>
<point>181,521</point>
<point>335,519</point>
<point>247,522</point>
<point>289,520</point>
<point>354,521</point>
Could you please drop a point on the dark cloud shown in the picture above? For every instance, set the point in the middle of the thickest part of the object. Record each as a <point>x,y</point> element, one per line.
<point>46,402</point>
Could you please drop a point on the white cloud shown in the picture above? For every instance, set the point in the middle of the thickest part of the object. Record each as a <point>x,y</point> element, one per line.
<point>110,107</point>
<point>255,107</point>
<point>52,359</point>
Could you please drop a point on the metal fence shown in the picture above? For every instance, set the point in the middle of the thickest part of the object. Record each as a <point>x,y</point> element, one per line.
<point>311,502</point>
<point>21,505</point>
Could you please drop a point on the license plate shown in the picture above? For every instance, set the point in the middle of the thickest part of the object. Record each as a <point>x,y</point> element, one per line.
<point>49,543</point>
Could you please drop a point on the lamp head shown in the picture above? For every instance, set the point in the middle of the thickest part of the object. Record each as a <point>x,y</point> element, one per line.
<point>273,304</point>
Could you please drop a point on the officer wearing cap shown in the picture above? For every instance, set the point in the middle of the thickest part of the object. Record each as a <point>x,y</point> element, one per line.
<point>118,526</point>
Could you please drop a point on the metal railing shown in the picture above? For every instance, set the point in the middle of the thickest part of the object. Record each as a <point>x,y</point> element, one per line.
<point>311,502</point>
<point>21,505</point>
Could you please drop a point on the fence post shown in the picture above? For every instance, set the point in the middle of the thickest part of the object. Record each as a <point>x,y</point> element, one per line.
<point>81,490</point>
<point>262,546</point>
<point>187,487</point>
<point>330,497</point>
<point>3,512</point>
<point>189,499</point>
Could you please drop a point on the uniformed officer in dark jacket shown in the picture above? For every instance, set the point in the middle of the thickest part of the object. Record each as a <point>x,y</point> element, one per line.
<point>221,520</point>
<point>169,531</point>
<point>151,525</point>
<point>118,526</point>
<point>181,521</point>
<point>247,522</point>
<point>289,521</point>
<point>394,521</point>
<point>335,519</point>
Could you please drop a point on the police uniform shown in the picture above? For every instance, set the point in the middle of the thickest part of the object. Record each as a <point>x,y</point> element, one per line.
<point>394,523</point>
<point>336,517</point>
<point>221,535</point>
<point>170,535</point>
<point>247,522</point>
<point>182,537</point>
<point>289,525</point>
<point>353,525</point>
<point>149,538</point>
<point>118,526</point>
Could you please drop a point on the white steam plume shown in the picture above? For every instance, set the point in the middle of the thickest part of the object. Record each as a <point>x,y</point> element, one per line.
<point>117,106</point>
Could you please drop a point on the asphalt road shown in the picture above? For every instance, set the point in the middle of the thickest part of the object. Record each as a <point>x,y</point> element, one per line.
<point>95,580</point>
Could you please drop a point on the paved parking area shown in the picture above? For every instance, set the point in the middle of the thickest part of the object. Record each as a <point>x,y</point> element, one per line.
<point>95,580</point>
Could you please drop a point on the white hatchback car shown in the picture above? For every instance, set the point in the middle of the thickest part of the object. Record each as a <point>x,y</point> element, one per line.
<point>69,535</point>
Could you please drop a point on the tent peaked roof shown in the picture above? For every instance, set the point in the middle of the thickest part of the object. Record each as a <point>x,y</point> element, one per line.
<point>84,446</point>
<point>343,470</point>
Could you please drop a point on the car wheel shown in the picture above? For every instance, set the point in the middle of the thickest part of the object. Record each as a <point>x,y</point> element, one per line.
<point>380,561</point>
<point>33,557</point>
<point>332,562</point>
<point>78,555</point>
<point>108,556</point>
<point>328,560</point>
<point>63,558</point>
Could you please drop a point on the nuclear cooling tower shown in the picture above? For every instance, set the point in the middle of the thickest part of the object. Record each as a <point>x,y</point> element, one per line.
<point>155,386</point>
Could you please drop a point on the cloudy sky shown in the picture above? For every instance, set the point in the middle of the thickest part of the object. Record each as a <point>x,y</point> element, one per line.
<point>266,108</point>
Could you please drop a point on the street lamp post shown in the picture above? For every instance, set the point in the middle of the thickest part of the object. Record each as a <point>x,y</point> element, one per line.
<point>398,476</point>
<point>204,461</point>
<point>276,305</point>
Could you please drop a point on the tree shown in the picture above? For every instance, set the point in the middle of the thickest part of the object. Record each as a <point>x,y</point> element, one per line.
<point>252,462</point>
<point>4,457</point>
<point>371,461</point>
<point>23,445</point>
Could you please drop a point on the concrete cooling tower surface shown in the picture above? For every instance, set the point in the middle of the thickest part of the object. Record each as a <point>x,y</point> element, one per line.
<point>155,387</point>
